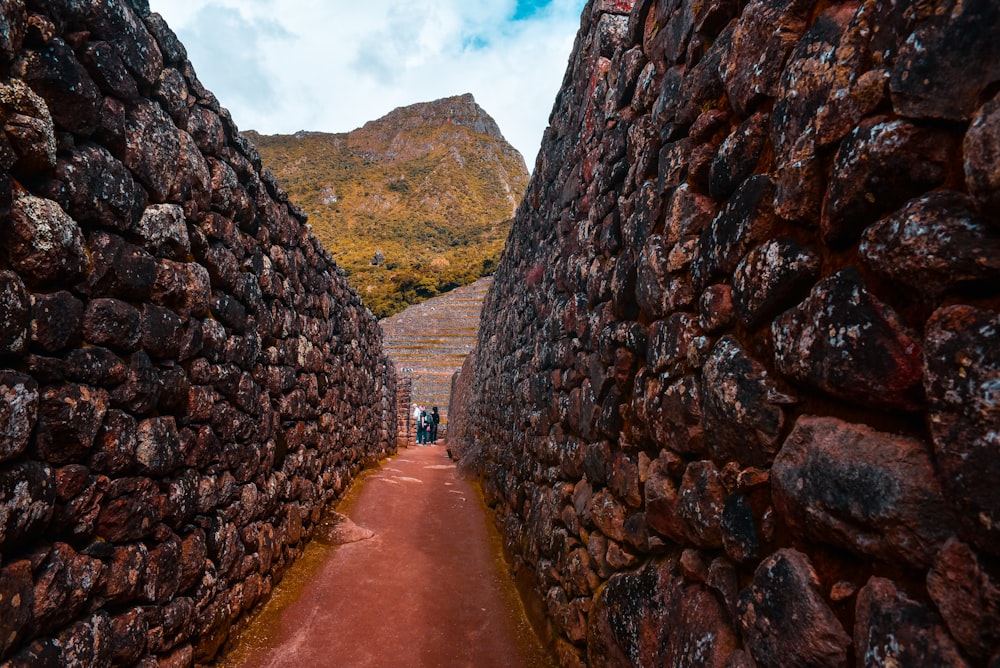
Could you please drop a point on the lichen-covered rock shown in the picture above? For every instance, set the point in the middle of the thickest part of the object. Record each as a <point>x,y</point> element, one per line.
<point>891,628</point>
<point>702,496</point>
<point>878,167</point>
<point>113,323</point>
<point>15,314</point>
<point>867,491</point>
<point>56,321</point>
<point>29,145</point>
<point>27,498</point>
<point>933,244</point>
<point>742,409</point>
<point>772,276</point>
<point>44,244</point>
<point>95,187</point>
<point>57,76</point>
<point>68,419</point>
<point>962,374</point>
<point>784,618</point>
<point>928,80</point>
<point>18,412</point>
<point>765,34</point>
<point>843,340</point>
<point>982,153</point>
<point>968,599</point>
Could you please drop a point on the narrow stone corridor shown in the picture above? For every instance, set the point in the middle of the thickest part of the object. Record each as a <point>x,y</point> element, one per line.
<point>429,589</point>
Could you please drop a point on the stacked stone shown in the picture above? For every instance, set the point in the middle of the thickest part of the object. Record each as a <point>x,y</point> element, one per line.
<point>186,380</point>
<point>406,430</point>
<point>737,380</point>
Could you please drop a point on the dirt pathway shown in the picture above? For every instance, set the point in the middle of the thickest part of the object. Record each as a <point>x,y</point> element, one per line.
<point>429,589</point>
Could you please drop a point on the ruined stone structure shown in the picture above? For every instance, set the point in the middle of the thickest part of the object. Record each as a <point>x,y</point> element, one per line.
<point>737,394</point>
<point>186,379</point>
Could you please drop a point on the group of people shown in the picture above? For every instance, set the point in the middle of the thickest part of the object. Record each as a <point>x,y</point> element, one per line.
<point>427,424</point>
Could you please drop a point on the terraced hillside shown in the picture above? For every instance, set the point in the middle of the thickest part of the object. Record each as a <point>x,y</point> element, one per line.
<point>429,341</point>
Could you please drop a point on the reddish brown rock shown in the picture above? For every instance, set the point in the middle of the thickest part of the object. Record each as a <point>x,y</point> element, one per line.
<point>68,419</point>
<point>56,321</point>
<point>846,342</point>
<point>933,244</point>
<point>18,412</point>
<point>94,187</point>
<point>878,167</point>
<point>765,34</point>
<point>123,575</point>
<point>772,277</point>
<point>27,498</point>
<point>968,599</point>
<point>662,501</point>
<point>785,620</point>
<point>741,407</point>
<point>15,314</point>
<point>982,152</point>
<point>962,360</point>
<point>43,243</point>
<point>17,590</point>
<point>863,490</point>
<point>929,79</point>
<point>63,584</point>
<point>129,512</point>
<point>112,323</point>
<point>891,628</point>
<point>700,505</point>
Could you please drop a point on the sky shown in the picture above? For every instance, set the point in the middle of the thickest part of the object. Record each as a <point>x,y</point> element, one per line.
<point>281,66</point>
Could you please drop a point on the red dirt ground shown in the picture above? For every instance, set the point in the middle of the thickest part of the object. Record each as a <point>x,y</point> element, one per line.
<point>430,589</point>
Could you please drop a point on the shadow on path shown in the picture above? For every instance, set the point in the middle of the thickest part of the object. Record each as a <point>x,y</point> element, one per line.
<point>429,589</point>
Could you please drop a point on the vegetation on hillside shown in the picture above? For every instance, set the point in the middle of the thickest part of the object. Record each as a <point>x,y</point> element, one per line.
<point>412,205</point>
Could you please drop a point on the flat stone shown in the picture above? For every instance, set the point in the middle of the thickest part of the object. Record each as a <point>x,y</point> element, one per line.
<point>338,529</point>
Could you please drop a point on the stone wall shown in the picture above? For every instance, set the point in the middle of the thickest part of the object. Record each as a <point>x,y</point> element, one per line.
<point>186,380</point>
<point>735,400</point>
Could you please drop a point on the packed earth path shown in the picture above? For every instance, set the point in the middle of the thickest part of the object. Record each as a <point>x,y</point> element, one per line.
<point>429,588</point>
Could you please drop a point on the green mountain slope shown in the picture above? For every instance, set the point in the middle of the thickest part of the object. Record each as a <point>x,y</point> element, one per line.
<point>430,188</point>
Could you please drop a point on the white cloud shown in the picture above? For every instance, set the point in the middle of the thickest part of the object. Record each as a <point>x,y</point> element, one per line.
<point>287,65</point>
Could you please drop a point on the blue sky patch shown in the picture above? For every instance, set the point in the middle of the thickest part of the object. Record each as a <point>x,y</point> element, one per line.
<point>528,8</point>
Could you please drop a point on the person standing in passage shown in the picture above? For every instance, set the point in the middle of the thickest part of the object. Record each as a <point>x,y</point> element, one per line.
<point>433,421</point>
<point>416,421</point>
<point>422,432</point>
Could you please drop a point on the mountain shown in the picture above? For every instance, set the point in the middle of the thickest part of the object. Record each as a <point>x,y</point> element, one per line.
<point>411,205</point>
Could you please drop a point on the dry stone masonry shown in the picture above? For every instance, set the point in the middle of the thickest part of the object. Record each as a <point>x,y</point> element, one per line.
<point>736,400</point>
<point>186,379</point>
